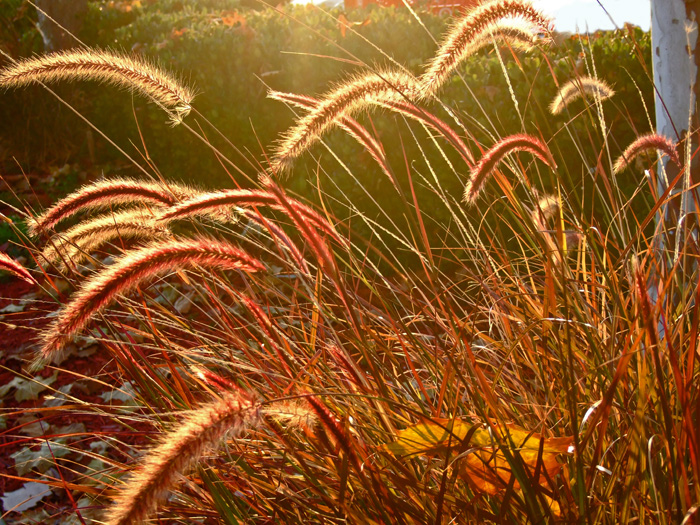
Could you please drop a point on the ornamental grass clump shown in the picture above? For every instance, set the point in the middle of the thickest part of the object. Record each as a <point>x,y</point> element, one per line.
<point>517,344</point>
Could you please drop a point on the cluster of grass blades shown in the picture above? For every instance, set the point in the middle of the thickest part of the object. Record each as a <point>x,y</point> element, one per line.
<point>537,365</point>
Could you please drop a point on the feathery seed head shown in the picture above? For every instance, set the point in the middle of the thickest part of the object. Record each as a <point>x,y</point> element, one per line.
<point>644,143</point>
<point>478,28</point>
<point>349,125</point>
<point>107,193</point>
<point>574,89</point>
<point>134,268</point>
<point>519,35</point>
<point>202,430</point>
<point>118,69</point>
<point>361,92</point>
<point>548,206</point>
<point>76,243</point>
<point>9,264</point>
<point>292,414</point>
<point>495,155</point>
<point>213,202</point>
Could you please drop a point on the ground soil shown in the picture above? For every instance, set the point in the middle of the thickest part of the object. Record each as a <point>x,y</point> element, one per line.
<point>89,374</point>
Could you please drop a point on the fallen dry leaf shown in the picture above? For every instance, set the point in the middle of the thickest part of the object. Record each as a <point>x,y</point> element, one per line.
<point>484,466</point>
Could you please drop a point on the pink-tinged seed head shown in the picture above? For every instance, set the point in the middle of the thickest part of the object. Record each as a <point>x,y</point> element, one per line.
<point>201,431</point>
<point>9,264</point>
<point>361,92</point>
<point>651,141</point>
<point>107,193</point>
<point>136,267</point>
<point>495,155</point>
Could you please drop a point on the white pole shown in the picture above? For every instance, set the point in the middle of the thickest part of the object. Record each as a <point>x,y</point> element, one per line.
<point>675,57</point>
<point>674,39</point>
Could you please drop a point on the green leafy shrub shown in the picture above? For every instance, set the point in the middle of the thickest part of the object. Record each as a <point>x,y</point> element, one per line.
<point>302,51</point>
<point>233,54</point>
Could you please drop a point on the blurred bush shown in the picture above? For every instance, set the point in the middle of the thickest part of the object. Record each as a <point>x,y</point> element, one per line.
<point>231,54</point>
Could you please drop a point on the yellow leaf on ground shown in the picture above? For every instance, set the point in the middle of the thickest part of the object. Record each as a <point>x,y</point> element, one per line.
<point>487,470</point>
<point>437,435</point>
<point>484,466</point>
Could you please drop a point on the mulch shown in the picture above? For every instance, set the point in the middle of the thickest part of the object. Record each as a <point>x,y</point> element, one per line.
<point>18,342</point>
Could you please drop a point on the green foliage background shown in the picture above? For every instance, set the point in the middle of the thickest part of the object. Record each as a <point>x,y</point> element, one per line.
<point>232,55</point>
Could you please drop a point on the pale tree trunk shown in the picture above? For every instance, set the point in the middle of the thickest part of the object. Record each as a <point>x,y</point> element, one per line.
<point>68,13</point>
<point>676,57</point>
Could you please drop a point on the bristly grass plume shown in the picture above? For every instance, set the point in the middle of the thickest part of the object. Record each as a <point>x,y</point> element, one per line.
<point>582,87</point>
<point>478,28</point>
<point>179,450</point>
<point>495,155</point>
<point>7,263</point>
<point>348,124</point>
<point>107,193</point>
<point>212,203</point>
<point>136,267</point>
<point>129,72</point>
<point>363,91</point>
<point>650,141</point>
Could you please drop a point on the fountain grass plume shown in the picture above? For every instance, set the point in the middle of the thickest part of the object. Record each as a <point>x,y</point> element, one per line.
<point>333,427</point>
<point>348,124</point>
<point>495,155</point>
<point>359,133</point>
<point>118,69</point>
<point>650,141</point>
<point>200,431</point>
<point>478,28</point>
<point>581,87</point>
<point>107,193</point>
<point>207,203</point>
<point>358,93</point>
<point>548,206</point>
<point>134,268</point>
<point>76,243</point>
<point>9,264</point>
